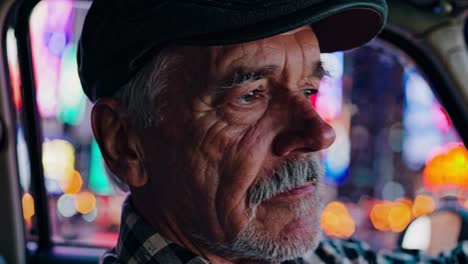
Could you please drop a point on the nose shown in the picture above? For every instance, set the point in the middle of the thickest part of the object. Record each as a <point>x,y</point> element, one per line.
<point>304,130</point>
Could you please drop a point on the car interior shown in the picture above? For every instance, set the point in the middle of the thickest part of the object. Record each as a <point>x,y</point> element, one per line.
<point>396,176</point>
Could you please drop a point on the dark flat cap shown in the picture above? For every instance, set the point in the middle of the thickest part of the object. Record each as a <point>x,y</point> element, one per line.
<point>120,35</point>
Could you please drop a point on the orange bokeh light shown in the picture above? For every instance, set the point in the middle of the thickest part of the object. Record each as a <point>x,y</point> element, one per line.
<point>85,202</point>
<point>405,201</point>
<point>447,167</point>
<point>72,183</point>
<point>391,216</point>
<point>336,221</point>
<point>423,204</point>
<point>399,217</point>
<point>28,206</point>
<point>379,216</point>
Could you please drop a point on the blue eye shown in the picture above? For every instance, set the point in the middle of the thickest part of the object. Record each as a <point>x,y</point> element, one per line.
<point>248,98</point>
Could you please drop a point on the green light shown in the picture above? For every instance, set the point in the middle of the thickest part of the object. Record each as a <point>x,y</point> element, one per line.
<point>71,100</point>
<point>98,179</point>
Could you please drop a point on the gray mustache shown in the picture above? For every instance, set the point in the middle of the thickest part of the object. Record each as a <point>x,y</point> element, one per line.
<point>291,174</point>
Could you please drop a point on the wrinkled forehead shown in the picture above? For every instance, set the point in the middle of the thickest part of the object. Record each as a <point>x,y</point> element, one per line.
<point>297,51</point>
<point>302,42</point>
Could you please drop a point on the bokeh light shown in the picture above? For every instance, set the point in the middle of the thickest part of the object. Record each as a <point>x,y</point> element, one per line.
<point>28,207</point>
<point>330,99</point>
<point>72,183</point>
<point>399,217</point>
<point>13,68</point>
<point>391,216</point>
<point>379,216</point>
<point>392,190</point>
<point>66,205</point>
<point>98,179</point>
<point>23,160</point>
<point>85,202</point>
<point>57,43</point>
<point>71,98</point>
<point>422,132</point>
<point>423,204</point>
<point>49,29</point>
<point>338,156</point>
<point>447,167</point>
<point>336,221</point>
<point>91,216</point>
<point>440,118</point>
<point>58,159</point>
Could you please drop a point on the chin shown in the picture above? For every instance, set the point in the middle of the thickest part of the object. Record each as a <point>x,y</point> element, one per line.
<point>299,234</point>
<point>254,243</point>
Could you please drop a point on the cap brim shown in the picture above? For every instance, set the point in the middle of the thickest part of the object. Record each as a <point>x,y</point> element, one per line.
<point>339,29</point>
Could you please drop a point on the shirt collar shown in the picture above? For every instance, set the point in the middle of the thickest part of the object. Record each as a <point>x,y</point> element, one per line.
<point>141,243</point>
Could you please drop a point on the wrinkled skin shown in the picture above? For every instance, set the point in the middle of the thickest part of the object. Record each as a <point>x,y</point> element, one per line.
<point>192,174</point>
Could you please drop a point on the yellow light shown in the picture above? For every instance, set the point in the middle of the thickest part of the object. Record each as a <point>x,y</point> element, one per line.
<point>28,206</point>
<point>447,167</point>
<point>58,159</point>
<point>399,217</point>
<point>85,202</point>
<point>391,216</point>
<point>380,215</point>
<point>405,201</point>
<point>72,183</point>
<point>423,204</point>
<point>336,221</point>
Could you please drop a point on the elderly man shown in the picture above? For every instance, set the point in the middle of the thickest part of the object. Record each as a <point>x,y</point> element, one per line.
<point>203,108</point>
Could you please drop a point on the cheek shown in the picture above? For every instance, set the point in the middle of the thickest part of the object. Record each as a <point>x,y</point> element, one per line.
<point>247,116</point>
<point>225,160</point>
<point>243,165</point>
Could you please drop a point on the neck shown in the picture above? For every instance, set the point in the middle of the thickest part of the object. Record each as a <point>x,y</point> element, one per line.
<point>169,228</point>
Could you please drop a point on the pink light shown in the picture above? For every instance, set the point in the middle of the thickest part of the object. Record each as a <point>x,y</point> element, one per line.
<point>101,239</point>
<point>48,17</point>
<point>328,102</point>
<point>441,118</point>
<point>330,98</point>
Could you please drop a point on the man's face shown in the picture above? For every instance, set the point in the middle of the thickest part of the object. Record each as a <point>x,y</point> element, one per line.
<point>235,161</point>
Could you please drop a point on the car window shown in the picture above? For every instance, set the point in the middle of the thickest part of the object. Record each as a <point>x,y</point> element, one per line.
<point>395,157</point>
<point>84,204</point>
<point>83,201</point>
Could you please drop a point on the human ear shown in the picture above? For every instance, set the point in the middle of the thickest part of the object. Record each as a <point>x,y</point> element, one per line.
<point>119,143</point>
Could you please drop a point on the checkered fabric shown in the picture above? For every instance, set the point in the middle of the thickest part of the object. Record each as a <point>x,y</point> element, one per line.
<point>139,243</point>
<point>353,251</point>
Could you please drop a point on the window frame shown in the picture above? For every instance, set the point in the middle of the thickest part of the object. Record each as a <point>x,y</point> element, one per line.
<point>437,76</point>
<point>12,246</point>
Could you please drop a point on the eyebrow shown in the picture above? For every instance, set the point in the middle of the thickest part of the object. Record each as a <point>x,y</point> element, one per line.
<point>243,75</point>
<point>319,71</point>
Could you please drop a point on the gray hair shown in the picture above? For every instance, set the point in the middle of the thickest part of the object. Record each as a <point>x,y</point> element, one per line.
<point>141,96</point>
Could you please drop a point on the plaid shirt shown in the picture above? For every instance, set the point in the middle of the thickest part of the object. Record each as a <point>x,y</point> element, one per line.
<point>140,243</point>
